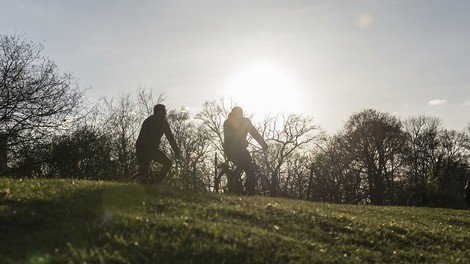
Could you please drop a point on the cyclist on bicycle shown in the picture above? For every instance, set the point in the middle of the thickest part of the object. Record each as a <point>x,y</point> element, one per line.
<point>236,129</point>
<point>148,142</point>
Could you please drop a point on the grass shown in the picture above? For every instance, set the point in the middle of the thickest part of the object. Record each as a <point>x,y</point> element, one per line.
<point>50,221</point>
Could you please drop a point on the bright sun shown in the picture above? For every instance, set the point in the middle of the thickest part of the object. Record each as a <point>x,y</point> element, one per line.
<point>265,88</point>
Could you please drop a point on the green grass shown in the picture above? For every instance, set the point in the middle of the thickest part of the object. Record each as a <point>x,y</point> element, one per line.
<point>49,221</point>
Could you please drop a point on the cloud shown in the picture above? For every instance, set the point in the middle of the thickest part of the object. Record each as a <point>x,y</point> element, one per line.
<point>437,102</point>
<point>466,103</point>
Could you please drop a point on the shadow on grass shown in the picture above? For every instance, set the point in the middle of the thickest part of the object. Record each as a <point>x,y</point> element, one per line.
<point>32,229</point>
<point>47,225</point>
<point>51,225</point>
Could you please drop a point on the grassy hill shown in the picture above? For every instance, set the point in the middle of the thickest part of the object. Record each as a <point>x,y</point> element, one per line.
<point>44,221</point>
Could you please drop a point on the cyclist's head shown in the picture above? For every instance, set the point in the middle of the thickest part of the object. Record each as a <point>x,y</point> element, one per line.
<point>159,109</point>
<point>237,112</point>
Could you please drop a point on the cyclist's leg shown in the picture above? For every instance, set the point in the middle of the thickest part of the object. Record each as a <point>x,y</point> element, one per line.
<point>246,163</point>
<point>161,158</point>
<point>236,181</point>
<point>242,160</point>
<point>143,163</point>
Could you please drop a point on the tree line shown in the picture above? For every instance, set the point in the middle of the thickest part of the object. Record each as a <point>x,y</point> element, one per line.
<point>49,130</point>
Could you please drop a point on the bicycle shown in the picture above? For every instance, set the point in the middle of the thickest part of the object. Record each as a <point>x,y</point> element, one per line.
<point>236,181</point>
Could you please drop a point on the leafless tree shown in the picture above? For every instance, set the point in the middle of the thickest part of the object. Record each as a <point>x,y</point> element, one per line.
<point>286,135</point>
<point>212,116</point>
<point>194,167</point>
<point>423,147</point>
<point>35,98</point>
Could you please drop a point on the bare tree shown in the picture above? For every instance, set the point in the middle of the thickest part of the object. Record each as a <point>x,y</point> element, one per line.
<point>422,149</point>
<point>212,117</point>
<point>193,169</point>
<point>35,98</point>
<point>285,135</point>
<point>146,100</point>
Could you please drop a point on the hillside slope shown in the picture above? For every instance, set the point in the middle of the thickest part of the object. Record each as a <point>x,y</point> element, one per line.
<point>44,221</point>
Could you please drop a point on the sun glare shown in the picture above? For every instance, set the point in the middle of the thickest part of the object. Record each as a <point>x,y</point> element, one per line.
<point>264,88</point>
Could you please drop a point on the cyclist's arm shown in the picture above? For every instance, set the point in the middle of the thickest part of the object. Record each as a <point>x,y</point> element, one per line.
<point>171,139</point>
<point>257,136</point>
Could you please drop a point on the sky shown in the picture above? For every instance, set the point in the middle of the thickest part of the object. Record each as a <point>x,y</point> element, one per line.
<point>325,59</point>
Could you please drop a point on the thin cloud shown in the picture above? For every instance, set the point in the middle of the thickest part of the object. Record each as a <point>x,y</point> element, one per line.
<point>466,103</point>
<point>437,102</point>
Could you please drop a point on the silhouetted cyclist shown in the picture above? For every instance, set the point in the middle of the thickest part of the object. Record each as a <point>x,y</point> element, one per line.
<point>236,129</point>
<point>147,146</point>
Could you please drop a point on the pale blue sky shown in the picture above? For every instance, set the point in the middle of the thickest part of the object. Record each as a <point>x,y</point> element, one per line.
<point>405,57</point>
